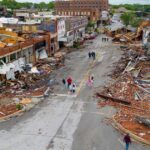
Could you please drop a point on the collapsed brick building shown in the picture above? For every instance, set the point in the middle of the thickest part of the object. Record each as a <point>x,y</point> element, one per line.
<point>90,8</point>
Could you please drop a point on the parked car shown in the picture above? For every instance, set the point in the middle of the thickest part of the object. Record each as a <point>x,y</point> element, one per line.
<point>90,36</point>
<point>86,37</point>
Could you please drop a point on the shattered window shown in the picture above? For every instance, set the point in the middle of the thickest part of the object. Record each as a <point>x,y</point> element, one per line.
<point>2,60</point>
<point>13,57</point>
<point>18,54</point>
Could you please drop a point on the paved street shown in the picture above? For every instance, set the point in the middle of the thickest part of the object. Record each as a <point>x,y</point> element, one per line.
<point>70,122</point>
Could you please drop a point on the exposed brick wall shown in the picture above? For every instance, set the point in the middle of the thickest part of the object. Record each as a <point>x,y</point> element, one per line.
<point>90,8</point>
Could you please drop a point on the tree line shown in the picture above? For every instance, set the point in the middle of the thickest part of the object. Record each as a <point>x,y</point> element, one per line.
<point>12,4</point>
<point>133,7</point>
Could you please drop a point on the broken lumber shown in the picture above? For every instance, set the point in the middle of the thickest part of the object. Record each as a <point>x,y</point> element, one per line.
<point>143,120</point>
<point>113,99</point>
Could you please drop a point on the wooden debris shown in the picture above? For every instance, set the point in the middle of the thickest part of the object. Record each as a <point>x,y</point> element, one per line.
<point>113,99</point>
<point>143,120</point>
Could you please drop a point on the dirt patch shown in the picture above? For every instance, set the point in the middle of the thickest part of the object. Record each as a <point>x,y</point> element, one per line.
<point>7,110</point>
<point>136,128</point>
<point>39,92</point>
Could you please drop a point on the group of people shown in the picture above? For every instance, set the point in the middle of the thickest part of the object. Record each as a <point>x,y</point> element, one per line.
<point>105,39</point>
<point>69,84</point>
<point>92,55</point>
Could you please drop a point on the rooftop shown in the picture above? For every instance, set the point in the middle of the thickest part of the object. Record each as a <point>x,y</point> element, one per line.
<point>11,41</point>
<point>4,20</point>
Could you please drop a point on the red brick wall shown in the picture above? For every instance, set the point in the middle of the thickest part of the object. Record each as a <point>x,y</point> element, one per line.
<point>82,6</point>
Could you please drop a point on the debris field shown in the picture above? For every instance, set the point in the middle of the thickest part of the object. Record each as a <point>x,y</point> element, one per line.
<point>33,81</point>
<point>130,92</point>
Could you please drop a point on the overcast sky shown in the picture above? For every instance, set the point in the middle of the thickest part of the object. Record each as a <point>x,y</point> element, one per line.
<point>110,1</point>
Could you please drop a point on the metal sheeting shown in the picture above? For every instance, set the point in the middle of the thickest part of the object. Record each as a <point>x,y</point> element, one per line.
<point>41,54</point>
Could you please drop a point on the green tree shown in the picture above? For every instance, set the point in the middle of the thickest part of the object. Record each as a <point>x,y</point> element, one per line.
<point>91,24</point>
<point>51,5</point>
<point>28,5</point>
<point>133,7</point>
<point>136,22</point>
<point>130,18</point>
<point>42,5</point>
<point>13,4</point>
<point>112,11</point>
<point>127,18</point>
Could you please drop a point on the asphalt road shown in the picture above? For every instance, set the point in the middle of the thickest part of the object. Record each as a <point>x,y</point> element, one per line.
<point>70,122</point>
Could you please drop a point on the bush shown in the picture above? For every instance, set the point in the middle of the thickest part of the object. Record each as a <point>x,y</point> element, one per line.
<point>76,44</point>
<point>19,106</point>
<point>97,30</point>
<point>91,24</point>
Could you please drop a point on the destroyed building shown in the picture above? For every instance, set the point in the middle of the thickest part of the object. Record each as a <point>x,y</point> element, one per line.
<point>146,39</point>
<point>127,35</point>
<point>19,49</point>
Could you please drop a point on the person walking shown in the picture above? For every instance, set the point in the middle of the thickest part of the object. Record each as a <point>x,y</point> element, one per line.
<point>127,140</point>
<point>64,81</point>
<point>70,88</point>
<point>92,79</point>
<point>94,55</point>
<point>73,88</point>
<point>69,81</point>
<point>89,82</point>
<point>89,54</point>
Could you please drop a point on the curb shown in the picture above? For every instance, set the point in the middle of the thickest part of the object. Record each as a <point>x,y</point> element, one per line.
<point>46,93</point>
<point>135,137</point>
<point>39,96</point>
<point>15,114</point>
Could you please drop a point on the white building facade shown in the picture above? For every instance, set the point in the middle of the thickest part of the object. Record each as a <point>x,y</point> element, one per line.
<point>146,35</point>
<point>61,29</point>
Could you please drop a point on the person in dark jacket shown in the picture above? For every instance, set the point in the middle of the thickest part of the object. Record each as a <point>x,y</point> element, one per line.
<point>89,54</point>
<point>127,140</point>
<point>93,55</point>
<point>64,81</point>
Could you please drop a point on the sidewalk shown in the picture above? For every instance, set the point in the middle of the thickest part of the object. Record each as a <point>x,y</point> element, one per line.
<point>133,136</point>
